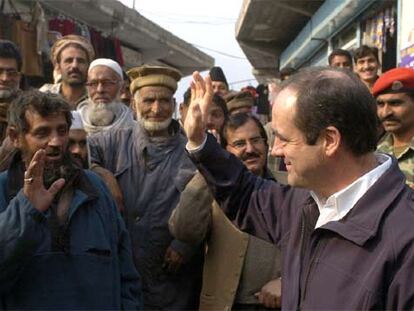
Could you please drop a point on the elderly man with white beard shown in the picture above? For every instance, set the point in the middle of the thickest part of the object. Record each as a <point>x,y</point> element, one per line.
<point>150,164</point>
<point>104,110</point>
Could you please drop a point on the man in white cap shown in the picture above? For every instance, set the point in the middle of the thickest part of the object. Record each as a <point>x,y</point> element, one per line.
<point>104,110</point>
<point>78,145</point>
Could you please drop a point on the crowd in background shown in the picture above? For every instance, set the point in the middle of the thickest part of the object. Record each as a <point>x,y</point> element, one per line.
<point>107,202</point>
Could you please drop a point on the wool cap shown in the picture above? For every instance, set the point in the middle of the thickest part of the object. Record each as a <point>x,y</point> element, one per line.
<point>108,63</point>
<point>63,42</point>
<point>153,76</point>
<point>236,100</point>
<point>397,80</point>
<point>217,74</point>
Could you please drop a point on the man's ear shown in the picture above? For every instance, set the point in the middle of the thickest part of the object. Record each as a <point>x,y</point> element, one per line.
<point>332,140</point>
<point>14,136</point>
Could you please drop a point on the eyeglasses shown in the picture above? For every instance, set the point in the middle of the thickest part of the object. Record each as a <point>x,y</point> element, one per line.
<point>241,144</point>
<point>105,83</point>
<point>13,73</point>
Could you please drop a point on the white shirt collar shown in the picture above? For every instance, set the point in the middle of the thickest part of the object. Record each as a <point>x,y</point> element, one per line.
<point>340,203</point>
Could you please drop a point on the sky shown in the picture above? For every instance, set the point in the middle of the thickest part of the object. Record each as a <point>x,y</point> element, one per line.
<point>209,25</point>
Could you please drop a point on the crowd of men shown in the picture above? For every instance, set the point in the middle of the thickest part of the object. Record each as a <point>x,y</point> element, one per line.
<point>108,202</point>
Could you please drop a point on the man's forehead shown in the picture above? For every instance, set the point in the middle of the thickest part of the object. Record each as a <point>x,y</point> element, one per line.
<point>71,51</point>
<point>366,57</point>
<point>247,130</point>
<point>34,118</point>
<point>8,63</point>
<point>393,96</point>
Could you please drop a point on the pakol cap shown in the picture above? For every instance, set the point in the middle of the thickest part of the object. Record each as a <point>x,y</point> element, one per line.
<point>153,76</point>
<point>397,80</point>
<point>236,100</point>
<point>217,74</point>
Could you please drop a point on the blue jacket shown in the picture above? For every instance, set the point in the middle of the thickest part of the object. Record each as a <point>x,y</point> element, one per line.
<point>93,268</point>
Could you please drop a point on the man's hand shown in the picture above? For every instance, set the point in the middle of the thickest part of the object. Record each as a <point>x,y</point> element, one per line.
<point>271,294</point>
<point>201,100</point>
<point>34,189</point>
<point>112,184</point>
<point>172,260</point>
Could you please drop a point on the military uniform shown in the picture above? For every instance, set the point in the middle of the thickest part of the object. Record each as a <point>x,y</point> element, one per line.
<point>405,158</point>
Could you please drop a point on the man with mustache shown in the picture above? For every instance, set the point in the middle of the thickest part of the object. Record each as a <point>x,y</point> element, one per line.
<point>241,272</point>
<point>104,110</point>
<point>151,167</point>
<point>63,244</point>
<point>394,92</point>
<point>366,64</point>
<point>70,56</point>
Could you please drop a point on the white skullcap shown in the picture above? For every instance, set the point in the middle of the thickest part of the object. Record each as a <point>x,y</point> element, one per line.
<point>108,63</point>
<point>77,123</point>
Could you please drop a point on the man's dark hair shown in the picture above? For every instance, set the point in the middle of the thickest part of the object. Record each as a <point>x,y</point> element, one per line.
<point>9,50</point>
<point>238,120</point>
<point>220,102</point>
<point>45,104</point>
<point>286,72</point>
<point>364,51</point>
<point>217,100</point>
<point>187,97</point>
<point>339,52</point>
<point>328,96</point>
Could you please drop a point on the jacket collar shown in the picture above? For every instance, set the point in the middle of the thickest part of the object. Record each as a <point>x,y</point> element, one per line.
<point>363,221</point>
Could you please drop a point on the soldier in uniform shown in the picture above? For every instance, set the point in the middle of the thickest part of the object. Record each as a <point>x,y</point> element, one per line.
<point>394,92</point>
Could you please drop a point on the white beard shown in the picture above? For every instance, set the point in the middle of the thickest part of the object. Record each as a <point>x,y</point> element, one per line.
<point>153,126</point>
<point>103,114</point>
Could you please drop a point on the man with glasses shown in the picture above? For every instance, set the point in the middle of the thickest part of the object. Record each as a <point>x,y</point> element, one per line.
<point>104,110</point>
<point>241,272</point>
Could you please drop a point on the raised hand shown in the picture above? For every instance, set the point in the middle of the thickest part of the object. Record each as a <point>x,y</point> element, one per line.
<point>34,189</point>
<point>201,100</point>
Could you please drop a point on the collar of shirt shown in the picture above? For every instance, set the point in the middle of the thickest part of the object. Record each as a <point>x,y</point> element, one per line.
<point>340,203</point>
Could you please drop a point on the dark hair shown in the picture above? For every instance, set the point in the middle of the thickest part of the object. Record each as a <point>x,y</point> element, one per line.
<point>187,97</point>
<point>364,51</point>
<point>9,50</point>
<point>286,71</point>
<point>220,102</point>
<point>45,104</point>
<point>339,52</point>
<point>217,100</point>
<point>238,120</point>
<point>327,96</point>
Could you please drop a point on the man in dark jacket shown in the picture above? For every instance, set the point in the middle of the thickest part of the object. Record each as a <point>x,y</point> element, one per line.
<point>63,244</point>
<point>151,167</point>
<point>348,242</point>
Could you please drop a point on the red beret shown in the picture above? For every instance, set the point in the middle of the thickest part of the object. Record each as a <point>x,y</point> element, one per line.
<point>397,80</point>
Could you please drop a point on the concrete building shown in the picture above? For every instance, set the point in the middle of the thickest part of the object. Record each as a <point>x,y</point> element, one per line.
<point>277,33</point>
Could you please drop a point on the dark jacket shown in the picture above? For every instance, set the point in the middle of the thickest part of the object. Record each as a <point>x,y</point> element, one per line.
<point>363,261</point>
<point>89,267</point>
<point>152,174</point>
